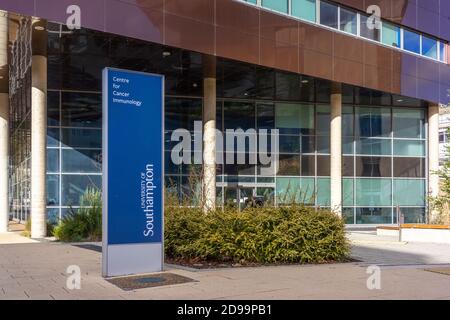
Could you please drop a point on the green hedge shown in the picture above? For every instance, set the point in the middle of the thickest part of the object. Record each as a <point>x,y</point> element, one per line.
<point>293,234</point>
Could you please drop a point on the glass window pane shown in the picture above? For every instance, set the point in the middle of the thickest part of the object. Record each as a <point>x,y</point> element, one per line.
<point>308,144</point>
<point>347,145</point>
<point>323,166</point>
<point>52,190</point>
<point>251,1</point>
<point>53,215</point>
<point>373,215</point>
<point>239,115</point>
<point>411,41</point>
<point>429,47</point>
<point>299,190</point>
<point>349,21</point>
<point>304,9</point>
<point>391,35</point>
<point>323,144</point>
<point>348,167</point>
<point>413,215</point>
<point>289,165</point>
<point>409,123</point>
<point>81,161</point>
<point>266,116</point>
<point>442,52</point>
<point>409,167</point>
<point>308,166</point>
<point>323,192</point>
<point>74,186</point>
<point>373,192</point>
<point>373,122</point>
<point>409,192</point>
<point>289,144</point>
<point>182,113</point>
<point>412,148</point>
<point>328,14</point>
<point>372,32</point>
<point>323,119</point>
<point>292,87</point>
<point>373,167</point>
<point>347,192</point>
<point>294,118</point>
<point>372,146</point>
<point>347,121</point>
<point>82,138</point>
<point>277,5</point>
<point>53,108</point>
<point>81,109</point>
<point>349,215</point>
<point>52,137</point>
<point>52,160</point>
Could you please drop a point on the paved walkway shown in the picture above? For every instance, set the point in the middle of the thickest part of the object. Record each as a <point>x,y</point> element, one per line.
<point>38,271</point>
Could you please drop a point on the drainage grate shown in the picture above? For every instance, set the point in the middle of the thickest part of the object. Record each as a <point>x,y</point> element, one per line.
<point>148,281</point>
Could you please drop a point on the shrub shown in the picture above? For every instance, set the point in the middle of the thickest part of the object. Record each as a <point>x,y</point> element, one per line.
<point>85,223</point>
<point>294,234</point>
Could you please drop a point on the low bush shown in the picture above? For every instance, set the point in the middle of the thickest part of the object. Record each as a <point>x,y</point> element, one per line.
<point>294,234</point>
<point>84,223</point>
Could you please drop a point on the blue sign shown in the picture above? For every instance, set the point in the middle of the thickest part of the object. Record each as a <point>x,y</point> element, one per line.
<point>133,131</point>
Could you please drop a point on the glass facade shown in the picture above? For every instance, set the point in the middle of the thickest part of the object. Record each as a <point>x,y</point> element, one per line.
<point>335,16</point>
<point>20,122</point>
<point>384,136</point>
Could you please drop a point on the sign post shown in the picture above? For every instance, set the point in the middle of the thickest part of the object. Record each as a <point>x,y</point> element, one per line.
<point>133,172</point>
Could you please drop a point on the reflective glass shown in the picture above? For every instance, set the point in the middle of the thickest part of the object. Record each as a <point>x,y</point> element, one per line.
<point>373,167</point>
<point>81,161</point>
<point>348,192</point>
<point>391,35</point>
<point>323,192</point>
<point>409,123</point>
<point>373,215</point>
<point>409,167</point>
<point>367,29</point>
<point>74,186</point>
<point>81,109</point>
<point>429,47</point>
<point>409,192</point>
<point>349,215</point>
<point>53,108</point>
<point>373,146</point>
<point>373,122</point>
<point>414,148</point>
<point>298,190</point>
<point>304,9</point>
<point>294,118</point>
<point>52,190</point>
<point>52,160</point>
<point>411,41</point>
<point>82,138</point>
<point>328,14</point>
<point>413,215</point>
<point>373,192</point>
<point>277,5</point>
<point>349,21</point>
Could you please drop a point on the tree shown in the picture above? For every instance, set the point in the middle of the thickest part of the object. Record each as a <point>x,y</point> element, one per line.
<point>441,204</point>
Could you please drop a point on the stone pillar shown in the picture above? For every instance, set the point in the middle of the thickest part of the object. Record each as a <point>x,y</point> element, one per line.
<point>209,134</point>
<point>38,133</point>
<point>433,153</point>
<point>4,125</point>
<point>336,148</point>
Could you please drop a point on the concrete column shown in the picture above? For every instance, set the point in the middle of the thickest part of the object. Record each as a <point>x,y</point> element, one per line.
<point>433,153</point>
<point>4,125</point>
<point>209,134</point>
<point>38,146</point>
<point>336,148</point>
